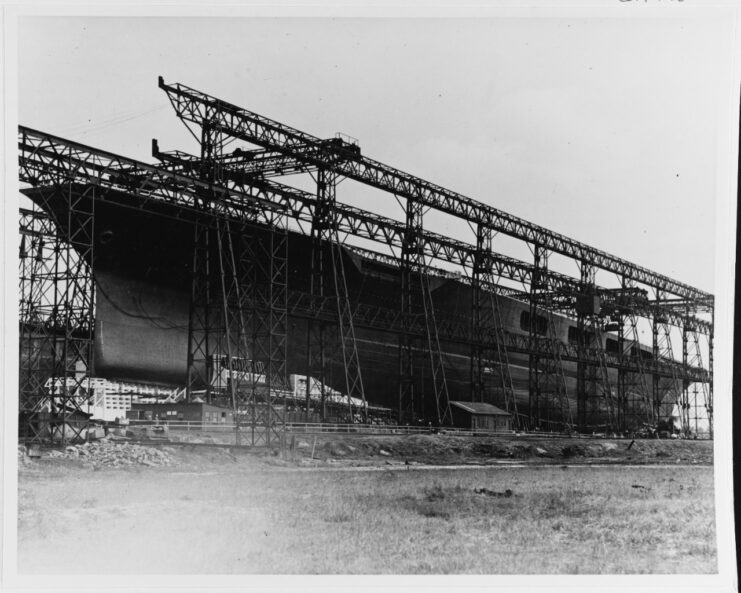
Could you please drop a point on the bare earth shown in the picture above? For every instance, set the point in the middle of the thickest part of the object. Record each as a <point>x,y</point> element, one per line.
<point>392,504</point>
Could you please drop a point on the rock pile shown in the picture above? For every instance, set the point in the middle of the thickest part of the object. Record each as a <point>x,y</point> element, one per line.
<point>105,453</point>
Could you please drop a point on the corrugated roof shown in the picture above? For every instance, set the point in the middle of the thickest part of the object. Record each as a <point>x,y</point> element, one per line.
<point>480,408</point>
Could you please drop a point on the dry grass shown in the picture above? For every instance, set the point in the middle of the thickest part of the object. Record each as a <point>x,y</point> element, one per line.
<point>247,517</point>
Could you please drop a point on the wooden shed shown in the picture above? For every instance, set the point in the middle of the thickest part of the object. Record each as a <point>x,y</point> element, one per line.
<point>181,411</point>
<point>480,416</point>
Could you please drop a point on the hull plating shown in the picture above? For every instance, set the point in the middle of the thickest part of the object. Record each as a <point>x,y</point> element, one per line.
<point>143,263</point>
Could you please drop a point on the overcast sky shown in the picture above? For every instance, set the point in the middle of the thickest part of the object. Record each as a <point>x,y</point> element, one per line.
<point>606,130</point>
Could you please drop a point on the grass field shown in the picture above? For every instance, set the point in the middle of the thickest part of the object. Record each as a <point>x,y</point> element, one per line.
<point>246,516</point>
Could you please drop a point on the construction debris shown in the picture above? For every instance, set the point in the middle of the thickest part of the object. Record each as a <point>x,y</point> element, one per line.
<point>106,453</point>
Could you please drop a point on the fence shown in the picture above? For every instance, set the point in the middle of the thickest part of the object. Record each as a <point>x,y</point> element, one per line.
<point>358,429</point>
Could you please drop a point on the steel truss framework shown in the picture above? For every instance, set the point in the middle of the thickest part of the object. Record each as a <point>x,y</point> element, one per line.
<point>557,292</point>
<point>416,291</point>
<point>593,384</point>
<point>217,191</point>
<point>325,244</point>
<point>489,355</point>
<point>347,161</point>
<point>56,318</point>
<point>190,105</point>
<point>327,272</point>
<point>238,316</point>
<point>549,405</point>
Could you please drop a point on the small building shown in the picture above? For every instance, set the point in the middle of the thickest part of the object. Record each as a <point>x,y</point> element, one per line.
<point>70,425</point>
<point>181,411</point>
<point>112,399</point>
<point>480,416</point>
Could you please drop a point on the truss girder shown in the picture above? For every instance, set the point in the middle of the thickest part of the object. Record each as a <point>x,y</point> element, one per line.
<point>362,223</point>
<point>58,161</point>
<point>564,301</point>
<point>192,105</point>
<point>458,331</point>
<point>46,159</point>
<point>240,165</point>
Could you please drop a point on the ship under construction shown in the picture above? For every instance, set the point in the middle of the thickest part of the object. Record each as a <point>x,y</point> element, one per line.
<point>214,274</point>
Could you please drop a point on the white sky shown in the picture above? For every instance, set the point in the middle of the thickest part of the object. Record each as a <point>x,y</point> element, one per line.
<point>605,130</point>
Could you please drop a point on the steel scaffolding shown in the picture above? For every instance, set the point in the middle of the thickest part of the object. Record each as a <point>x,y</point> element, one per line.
<point>489,354</point>
<point>241,301</point>
<point>326,244</point>
<point>548,404</point>
<point>56,315</point>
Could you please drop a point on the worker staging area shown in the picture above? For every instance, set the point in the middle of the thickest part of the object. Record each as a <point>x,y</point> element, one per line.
<point>274,305</point>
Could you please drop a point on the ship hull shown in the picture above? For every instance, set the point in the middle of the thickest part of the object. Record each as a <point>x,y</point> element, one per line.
<point>143,266</point>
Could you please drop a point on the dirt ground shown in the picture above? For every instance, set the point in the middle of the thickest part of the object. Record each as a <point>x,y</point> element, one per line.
<point>452,449</point>
<point>361,504</point>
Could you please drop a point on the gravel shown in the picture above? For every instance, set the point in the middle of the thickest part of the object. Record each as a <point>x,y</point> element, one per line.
<point>106,453</point>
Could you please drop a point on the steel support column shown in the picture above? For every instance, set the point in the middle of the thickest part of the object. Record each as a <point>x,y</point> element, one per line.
<point>549,405</point>
<point>325,242</point>
<point>202,347</point>
<point>535,356</point>
<point>416,299</point>
<point>268,256</point>
<point>666,391</point>
<point>684,398</point>
<point>695,394</point>
<point>57,314</point>
<point>489,355</point>
<point>584,331</point>
<point>480,318</point>
<point>709,401</point>
<point>596,409</point>
<point>407,345</point>
<point>316,338</point>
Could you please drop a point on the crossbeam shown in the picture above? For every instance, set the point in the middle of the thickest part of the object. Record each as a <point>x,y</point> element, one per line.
<point>368,225</point>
